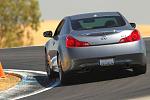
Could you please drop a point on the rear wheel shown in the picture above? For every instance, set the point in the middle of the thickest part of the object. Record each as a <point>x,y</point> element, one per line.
<point>48,72</point>
<point>62,75</point>
<point>140,69</point>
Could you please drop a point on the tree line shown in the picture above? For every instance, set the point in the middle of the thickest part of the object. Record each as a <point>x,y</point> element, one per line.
<point>18,20</point>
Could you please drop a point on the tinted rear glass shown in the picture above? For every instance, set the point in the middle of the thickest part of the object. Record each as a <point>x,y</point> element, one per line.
<point>97,22</point>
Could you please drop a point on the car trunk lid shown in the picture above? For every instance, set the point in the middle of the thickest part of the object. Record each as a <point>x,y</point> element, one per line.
<point>102,37</point>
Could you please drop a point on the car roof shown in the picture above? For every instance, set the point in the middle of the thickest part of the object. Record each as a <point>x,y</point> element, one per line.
<point>96,14</point>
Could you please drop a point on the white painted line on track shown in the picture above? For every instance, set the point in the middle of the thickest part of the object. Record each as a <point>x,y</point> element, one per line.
<point>37,92</point>
<point>56,83</point>
<point>19,70</point>
<point>23,47</point>
<point>145,36</point>
<point>141,98</point>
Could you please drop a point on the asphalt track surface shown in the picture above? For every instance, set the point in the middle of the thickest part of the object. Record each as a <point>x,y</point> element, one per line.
<point>100,85</point>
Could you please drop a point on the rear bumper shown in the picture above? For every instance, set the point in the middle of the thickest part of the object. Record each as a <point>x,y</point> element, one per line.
<point>120,61</point>
<point>123,54</point>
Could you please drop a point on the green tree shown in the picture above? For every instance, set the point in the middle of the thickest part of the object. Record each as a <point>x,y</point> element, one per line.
<point>16,17</point>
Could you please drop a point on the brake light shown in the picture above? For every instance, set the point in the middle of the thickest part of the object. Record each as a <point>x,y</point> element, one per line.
<point>134,36</point>
<point>72,42</point>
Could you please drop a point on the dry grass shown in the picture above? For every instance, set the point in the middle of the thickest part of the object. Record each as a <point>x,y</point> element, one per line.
<point>45,26</point>
<point>144,30</point>
<point>8,82</point>
<point>38,38</point>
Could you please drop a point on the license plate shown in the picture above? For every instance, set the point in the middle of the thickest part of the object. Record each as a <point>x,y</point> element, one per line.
<point>106,62</point>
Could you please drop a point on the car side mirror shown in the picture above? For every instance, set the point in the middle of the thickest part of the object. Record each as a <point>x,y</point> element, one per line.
<point>133,25</point>
<point>48,34</point>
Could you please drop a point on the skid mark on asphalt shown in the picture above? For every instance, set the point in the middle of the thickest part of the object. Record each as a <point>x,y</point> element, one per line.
<point>33,82</point>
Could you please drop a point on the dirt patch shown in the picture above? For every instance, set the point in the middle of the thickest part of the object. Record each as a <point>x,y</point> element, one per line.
<point>10,81</point>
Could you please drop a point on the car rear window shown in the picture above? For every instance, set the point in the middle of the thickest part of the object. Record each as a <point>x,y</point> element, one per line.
<point>97,22</point>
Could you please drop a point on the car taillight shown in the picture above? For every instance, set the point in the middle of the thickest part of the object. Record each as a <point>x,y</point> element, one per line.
<point>72,42</point>
<point>134,36</point>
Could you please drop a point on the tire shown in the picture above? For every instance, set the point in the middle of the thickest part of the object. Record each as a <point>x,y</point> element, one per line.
<point>140,70</point>
<point>62,75</point>
<point>50,73</point>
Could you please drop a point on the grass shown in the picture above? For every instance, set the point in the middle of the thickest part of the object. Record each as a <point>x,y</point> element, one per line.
<point>144,30</point>
<point>8,82</point>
